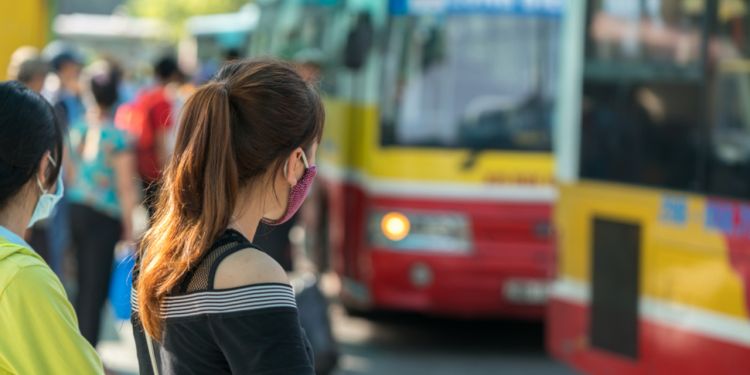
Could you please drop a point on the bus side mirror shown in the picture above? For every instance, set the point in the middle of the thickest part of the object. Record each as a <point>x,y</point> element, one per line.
<point>358,42</point>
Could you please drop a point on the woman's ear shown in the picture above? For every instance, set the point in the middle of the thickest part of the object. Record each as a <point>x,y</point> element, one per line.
<point>295,168</point>
<point>42,173</point>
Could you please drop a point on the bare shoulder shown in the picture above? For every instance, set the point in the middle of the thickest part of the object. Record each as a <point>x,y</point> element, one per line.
<point>246,267</point>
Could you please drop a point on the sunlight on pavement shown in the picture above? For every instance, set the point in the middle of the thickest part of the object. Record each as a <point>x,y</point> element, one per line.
<point>118,353</point>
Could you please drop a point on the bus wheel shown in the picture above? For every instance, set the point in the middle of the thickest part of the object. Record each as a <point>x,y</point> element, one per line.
<point>357,310</point>
<point>353,311</point>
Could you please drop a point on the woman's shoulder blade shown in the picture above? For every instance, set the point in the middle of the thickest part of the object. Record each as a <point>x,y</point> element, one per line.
<point>248,266</point>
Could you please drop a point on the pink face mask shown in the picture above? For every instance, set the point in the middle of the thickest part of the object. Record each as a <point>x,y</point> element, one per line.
<point>297,193</point>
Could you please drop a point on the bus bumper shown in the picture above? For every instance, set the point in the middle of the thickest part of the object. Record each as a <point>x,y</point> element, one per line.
<point>463,286</point>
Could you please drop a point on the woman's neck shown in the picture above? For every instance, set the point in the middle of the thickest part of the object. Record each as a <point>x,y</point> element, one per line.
<point>14,219</point>
<point>99,115</point>
<point>248,212</point>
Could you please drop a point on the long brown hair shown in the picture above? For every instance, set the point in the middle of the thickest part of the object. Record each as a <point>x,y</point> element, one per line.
<point>233,130</point>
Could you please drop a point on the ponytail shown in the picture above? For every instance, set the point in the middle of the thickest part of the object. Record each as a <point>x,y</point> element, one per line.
<point>195,203</point>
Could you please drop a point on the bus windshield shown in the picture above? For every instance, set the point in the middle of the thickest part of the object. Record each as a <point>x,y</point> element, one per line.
<point>477,81</point>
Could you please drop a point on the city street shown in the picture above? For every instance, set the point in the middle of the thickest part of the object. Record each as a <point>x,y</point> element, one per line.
<point>409,344</point>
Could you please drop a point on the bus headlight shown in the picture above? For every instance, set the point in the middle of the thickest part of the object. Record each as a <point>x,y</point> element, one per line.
<point>418,231</point>
<point>395,226</point>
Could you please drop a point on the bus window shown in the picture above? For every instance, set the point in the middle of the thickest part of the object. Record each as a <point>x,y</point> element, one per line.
<point>307,39</point>
<point>643,93</point>
<point>729,173</point>
<point>479,81</point>
<point>657,32</point>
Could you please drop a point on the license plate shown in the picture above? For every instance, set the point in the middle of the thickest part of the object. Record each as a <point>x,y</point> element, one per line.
<point>527,292</point>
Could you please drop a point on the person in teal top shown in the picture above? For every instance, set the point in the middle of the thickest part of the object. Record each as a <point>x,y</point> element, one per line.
<point>94,150</point>
<point>38,329</point>
<point>102,193</point>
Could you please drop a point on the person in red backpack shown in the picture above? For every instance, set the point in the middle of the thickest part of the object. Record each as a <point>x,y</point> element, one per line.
<point>148,118</point>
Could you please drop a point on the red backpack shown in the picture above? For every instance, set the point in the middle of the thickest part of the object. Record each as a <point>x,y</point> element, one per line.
<point>139,119</point>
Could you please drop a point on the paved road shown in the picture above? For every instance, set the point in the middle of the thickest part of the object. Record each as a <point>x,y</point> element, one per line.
<point>409,344</point>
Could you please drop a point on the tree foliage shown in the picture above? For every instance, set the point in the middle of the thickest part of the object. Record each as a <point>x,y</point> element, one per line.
<point>175,12</point>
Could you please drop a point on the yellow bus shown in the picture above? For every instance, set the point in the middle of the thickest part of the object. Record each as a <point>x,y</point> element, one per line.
<point>435,186</point>
<point>653,218</point>
<point>22,23</point>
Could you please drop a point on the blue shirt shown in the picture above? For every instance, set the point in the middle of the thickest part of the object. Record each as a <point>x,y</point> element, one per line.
<point>73,106</point>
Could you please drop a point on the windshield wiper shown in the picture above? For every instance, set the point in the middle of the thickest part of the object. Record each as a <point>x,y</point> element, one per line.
<point>471,160</point>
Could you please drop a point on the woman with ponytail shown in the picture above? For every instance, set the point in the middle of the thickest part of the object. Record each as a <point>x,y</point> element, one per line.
<point>206,300</point>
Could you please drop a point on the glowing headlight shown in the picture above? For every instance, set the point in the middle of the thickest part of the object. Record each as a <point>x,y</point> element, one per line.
<point>395,226</point>
<point>427,232</point>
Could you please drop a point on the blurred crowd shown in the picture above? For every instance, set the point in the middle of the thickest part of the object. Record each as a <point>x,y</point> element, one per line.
<point>119,135</point>
<point>119,138</point>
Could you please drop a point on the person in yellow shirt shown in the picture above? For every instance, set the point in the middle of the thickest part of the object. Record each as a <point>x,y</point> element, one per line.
<point>38,328</point>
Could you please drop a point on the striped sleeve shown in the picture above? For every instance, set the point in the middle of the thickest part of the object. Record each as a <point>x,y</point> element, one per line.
<point>247,298</point>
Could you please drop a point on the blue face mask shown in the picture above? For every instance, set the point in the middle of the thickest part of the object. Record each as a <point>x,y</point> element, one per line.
<point>47,201</point>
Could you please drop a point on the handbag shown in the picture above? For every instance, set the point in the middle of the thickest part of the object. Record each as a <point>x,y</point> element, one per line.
<point>121,283</point>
